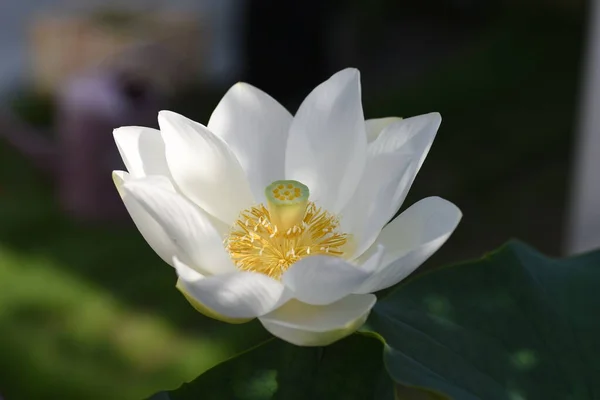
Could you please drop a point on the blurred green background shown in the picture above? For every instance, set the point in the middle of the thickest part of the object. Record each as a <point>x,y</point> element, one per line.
<point>89,312</point>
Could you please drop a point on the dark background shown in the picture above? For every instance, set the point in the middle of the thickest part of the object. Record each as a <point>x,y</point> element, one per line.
<point>86,308</point>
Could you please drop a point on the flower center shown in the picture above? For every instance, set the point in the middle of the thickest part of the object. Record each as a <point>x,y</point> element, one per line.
<point>270,239</point>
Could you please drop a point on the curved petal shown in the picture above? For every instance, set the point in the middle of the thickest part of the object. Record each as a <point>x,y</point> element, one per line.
<point>376,125</point>
<point>204,310</point>
<point>255,127</point>
<point>142,150</point>
<point>197,241</point>
<point>236,295</point>
<point>326,148</point>
<point>411,136</point>
<point>375,203</point>
<point>408,138</point>
<point>204,168</point>
<point>307,325</point>
<point>319,280</point>
<point>411,239</point>
<point>393,162</point>
<point>151,231</point>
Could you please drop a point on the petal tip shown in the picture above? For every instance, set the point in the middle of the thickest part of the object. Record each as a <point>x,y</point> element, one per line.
<point>241,85</point>
<point>351,74</point>
<point>351,71</point>
<point>185,272</point>
<point>347,75</point>
<point>166,114</point>
<point>119,130</point>
<point>241,89</point>
<point>432,117</point>
<point>119,177</point>
<point>124,132</point>
<point>446,210</point>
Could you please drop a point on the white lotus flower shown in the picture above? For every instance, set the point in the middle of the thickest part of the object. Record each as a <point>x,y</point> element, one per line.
<point>281,218</point>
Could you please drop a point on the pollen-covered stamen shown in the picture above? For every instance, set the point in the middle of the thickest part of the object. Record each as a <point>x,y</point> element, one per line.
<point>269,240</point>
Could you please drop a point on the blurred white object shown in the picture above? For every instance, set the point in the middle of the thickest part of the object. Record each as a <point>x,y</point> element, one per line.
<point>80,155</point>
<point>167,47</point>
<point>89,108</point>
<point>219,47</point>
<point>584,215</point>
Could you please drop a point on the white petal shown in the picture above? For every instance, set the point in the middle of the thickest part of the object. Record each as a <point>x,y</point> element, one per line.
<point>411,136</point>
<point>321,280</point>
<point>198,242</point>
<point>306,325</point>
<point>375,201</point>
<point>393,162</point>
<point>326,148</point>
<point>152,231</point>
<point>142,150</point>
<point>376,125</point>
<point>255,127</point>
<point>204,168</point>
<point>411,239</point>
<point>234,295</point>
<point>372,262</point>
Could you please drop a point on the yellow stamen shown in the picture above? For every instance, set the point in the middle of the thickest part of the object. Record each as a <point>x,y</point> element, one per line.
<point>270,239</point>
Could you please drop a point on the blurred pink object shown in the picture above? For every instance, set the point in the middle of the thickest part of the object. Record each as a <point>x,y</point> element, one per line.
<point>89,108</point>
<point>84,154</point>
